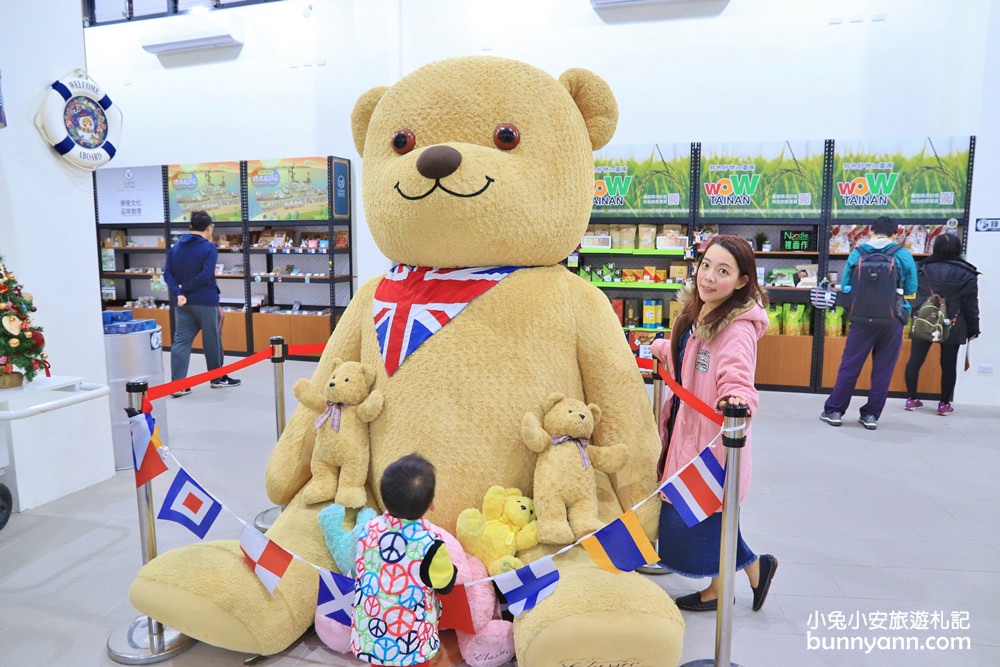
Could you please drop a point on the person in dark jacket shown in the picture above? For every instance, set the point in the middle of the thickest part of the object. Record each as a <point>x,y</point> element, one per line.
<point>947,274</point>
<point>194,294</point>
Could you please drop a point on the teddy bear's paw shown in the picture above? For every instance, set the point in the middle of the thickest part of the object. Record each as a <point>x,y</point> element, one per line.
<point>583,527</point>
<point>350,496</point>
<point>505,564</point>
<point>321,491</point>
<point>491,646</point>
<point>597,618</point>
<point>554,532</point>
<point>527,537</point>
<point>609,459</point>
<point>206,591</point>
<point>471,524</point>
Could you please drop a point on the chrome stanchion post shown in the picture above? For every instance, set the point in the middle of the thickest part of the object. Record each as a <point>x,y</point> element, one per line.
<point>279,351</point>
<point>655,568</point>
<point>734,437</point>
<point>145,640</point>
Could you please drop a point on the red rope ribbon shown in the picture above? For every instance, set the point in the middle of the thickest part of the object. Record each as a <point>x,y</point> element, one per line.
<point>685,395</point>
<point>159,391</point>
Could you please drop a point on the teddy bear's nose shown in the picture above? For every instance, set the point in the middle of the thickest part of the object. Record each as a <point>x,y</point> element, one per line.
<point>438,161</point>
<point>583,416</point>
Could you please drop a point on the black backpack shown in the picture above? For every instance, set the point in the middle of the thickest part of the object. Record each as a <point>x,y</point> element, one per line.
<point>874,279</point>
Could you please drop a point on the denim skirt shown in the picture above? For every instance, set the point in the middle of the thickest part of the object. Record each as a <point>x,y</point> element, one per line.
<point>694,552</point>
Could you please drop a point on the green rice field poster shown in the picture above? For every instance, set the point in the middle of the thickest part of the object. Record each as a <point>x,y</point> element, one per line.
<point>917,178</point>
<point>761,180</point>
<point>207,186</point>
<point>289,189</point>
<point>642,181</point>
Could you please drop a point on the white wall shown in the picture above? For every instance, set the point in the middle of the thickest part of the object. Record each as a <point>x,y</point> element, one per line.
<point>47,238</point>
<point>708,70</point>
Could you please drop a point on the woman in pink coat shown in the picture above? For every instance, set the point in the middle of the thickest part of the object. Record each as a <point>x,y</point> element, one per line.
<point>714,344</point>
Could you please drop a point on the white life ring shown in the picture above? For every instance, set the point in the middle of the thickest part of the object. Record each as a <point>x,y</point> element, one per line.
<point>79,121</point>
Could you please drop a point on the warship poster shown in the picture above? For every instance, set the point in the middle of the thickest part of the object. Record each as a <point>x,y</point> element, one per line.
<point>288,189</point>
<point>206,186</point>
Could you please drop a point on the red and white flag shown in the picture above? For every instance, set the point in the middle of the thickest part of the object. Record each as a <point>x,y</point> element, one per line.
<point>696,489</point>
<point>145,439</point>
<point>268,560</point>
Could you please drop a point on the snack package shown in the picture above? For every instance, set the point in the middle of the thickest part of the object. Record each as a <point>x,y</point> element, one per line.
<point>627,237</point>
<point>833,324</point>
<point>782,278</point>
<point>915,239</point>
<point>933,231</point>
<point>796,319</point>
<point>839,242</point>
<point>775,315</point>
<point>647,237</point>
<point>616,236</point>
<point>806,275</point>
<point>859,234</point>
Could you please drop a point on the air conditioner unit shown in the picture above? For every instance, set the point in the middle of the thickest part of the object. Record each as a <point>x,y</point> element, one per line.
<point>190,33</point>
<point>603,4</point>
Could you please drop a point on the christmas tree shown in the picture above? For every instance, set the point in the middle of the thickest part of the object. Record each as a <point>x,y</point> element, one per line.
<point>21,342</point>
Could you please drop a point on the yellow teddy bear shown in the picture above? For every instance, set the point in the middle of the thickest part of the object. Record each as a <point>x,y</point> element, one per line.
<point>505,526</point>
<point>478,181</point>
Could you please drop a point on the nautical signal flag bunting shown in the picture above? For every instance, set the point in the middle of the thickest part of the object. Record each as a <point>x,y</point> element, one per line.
<point>621,546</point>
<point>527,586</point>
<point>268,560</point>
<point>190,505</point>
<point>145,439</point>
<point>696,490</point>
<point>335,599</point>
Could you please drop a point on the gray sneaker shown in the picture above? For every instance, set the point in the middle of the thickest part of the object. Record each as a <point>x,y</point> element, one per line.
<point>868,421</point>
<point>224,381</point>
<point>833,418</point>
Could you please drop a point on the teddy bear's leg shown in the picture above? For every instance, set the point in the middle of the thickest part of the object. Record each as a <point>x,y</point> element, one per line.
<point>353,475</point>
<point>597,618</point>
<point>553,527</point>
<point>583,517</point>
<point>208,591</point>
<point>323,485</point>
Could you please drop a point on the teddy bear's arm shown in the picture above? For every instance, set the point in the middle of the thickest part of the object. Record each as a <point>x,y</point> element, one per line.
<point>288,466</point>
<point>371,408</point>
<point>609,458</point>
<point>608,372</point>
<point>533,435</point>
<point>308,396</point>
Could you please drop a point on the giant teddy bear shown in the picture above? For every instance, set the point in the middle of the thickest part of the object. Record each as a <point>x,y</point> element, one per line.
<point>467,163</point>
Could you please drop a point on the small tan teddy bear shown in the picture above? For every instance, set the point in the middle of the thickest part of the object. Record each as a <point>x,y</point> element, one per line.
<point>347,404</point>
<point>505,526</point>
<point>565,485</point>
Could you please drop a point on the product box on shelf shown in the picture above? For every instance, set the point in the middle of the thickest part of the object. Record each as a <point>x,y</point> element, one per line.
<point>652,313</point>
<point>646,237</point>
<point>640,341</point>
<point>633,312</point>
<point>674,310</point>
<point>144,241</point>
<point>618,305</point>
<point>115,239</point>
<point>679,270</point>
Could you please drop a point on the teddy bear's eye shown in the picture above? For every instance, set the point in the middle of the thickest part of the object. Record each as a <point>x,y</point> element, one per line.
<point>403,141</point>
<point>506,136</point>
<point>570,411</point>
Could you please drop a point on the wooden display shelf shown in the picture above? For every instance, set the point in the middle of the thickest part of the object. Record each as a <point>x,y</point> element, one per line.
<point>930,372</point>
<point>642,252</point>
<point>640,285</point>
<point>296,329</point>
<point>784,360</point>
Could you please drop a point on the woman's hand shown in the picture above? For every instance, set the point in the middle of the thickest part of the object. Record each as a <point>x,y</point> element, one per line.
<point>732,400</point>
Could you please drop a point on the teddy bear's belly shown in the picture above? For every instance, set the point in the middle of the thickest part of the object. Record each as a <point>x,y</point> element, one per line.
<point>459,399</point>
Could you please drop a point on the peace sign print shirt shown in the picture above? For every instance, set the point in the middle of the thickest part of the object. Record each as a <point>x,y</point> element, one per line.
<point>399,564</point>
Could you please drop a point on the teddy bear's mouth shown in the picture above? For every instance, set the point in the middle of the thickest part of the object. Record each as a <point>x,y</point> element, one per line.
<point>437,186</point>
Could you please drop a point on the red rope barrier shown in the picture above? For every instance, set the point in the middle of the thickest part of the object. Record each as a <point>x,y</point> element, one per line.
<point>685,395</point>
<point>162,390</point>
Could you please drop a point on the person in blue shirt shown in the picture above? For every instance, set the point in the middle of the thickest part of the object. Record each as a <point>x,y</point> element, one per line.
<point>881,337</point>
<point>194,294</point>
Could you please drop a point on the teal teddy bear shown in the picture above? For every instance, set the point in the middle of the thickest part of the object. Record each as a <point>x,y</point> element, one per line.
<point>342,544</point>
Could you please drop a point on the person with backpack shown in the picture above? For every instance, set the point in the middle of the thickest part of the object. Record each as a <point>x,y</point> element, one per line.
<point>878,273</point>
<point>946,283</point>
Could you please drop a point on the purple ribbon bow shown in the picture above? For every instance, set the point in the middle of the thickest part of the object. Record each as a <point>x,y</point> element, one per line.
<point>332,413</point>
<point>582,443</point>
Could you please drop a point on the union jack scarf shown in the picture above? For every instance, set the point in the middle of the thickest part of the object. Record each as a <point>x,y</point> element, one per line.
<point>412,303</point>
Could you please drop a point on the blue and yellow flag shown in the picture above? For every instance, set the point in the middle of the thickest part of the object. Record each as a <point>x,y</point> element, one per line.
<point>621,546</point>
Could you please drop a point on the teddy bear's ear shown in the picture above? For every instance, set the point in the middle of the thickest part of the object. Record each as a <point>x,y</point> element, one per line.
<point>362,114</point>
<point>550,401</point>
<point>595,410</point>
<point>335,363</point>
<point>596,102</point>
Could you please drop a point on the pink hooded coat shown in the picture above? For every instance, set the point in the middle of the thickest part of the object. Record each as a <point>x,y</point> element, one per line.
<point>718,362</point>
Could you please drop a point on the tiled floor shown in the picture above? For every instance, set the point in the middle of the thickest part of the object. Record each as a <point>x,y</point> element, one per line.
<point>903,519</point>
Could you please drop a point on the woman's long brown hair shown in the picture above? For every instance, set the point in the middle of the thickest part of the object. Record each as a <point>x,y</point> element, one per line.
<point>746,266</point>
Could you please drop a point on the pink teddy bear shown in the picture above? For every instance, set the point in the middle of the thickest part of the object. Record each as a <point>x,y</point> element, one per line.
<point>491,645</point>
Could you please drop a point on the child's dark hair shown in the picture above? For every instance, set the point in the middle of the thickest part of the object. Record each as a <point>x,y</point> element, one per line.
<point>884,226</point>
<point>200,220</point>
<point>407,487</point>
<point>948,245</point>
